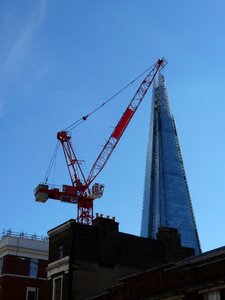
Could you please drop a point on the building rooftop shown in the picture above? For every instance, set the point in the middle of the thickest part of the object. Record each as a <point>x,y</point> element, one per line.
<point>23,244</point>
<point>195,274</point>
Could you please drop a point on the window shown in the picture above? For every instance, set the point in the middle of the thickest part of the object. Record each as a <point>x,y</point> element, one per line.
<point>1,264</point>
<point>215,295</point>
<point>60,251</point>
<point>57,288</point>
<point>32,293</point>
<point>33,271</point>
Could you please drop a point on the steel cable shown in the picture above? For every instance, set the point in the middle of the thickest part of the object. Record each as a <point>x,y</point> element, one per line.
<point>84,118</point>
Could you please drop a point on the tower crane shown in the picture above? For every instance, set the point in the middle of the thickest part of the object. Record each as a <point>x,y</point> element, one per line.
<point>80,191</point>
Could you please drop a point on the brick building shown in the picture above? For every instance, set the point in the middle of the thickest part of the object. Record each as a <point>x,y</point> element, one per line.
<point>84,259</point>
<point>200,277</point>
<point>23,262</point>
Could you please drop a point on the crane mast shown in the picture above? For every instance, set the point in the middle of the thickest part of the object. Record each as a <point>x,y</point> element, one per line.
<point>80,192</point>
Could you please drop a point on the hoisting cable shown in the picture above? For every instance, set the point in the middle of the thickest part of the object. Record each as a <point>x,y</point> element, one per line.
<point>84,118</point>
<point>51,162</point>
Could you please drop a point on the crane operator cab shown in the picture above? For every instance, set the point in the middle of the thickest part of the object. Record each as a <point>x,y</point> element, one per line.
<point>97,190</point>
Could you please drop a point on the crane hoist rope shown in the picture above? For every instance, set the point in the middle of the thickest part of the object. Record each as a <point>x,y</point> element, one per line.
<point>51,162</point>
<point>85,117</point>
<point>80,191</point>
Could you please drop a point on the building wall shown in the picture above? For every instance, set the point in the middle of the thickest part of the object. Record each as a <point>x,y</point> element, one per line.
<point>17,256</point>
<point>90,278</point>
<point>201,277</point>
<point>96,256</point>
<point>16,288</point>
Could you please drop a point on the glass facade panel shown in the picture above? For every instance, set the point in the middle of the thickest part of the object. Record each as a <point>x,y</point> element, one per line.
<point>166,196</point>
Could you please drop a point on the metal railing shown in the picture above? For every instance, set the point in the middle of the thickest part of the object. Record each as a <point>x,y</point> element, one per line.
<point>24,235</point>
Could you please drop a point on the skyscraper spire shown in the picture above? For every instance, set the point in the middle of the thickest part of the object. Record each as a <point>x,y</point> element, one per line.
<point>167,200</point>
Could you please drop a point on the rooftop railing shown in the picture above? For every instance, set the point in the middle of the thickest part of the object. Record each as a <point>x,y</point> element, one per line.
<point>24,235</point>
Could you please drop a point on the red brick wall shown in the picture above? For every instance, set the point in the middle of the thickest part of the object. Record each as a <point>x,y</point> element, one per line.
<point>15,288</point>
<point>14,285</point>
<point>20,266</point>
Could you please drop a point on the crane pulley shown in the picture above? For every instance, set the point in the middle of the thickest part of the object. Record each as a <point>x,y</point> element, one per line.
<point>81,192</point>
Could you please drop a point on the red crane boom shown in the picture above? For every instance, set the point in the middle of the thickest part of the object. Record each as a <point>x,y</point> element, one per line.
<point>80,192</point>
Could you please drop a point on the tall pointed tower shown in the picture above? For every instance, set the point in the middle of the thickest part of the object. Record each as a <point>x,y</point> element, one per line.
<point>167,200</point>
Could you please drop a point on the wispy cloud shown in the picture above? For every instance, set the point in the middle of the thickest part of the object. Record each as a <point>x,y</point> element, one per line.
<point>17,50</point>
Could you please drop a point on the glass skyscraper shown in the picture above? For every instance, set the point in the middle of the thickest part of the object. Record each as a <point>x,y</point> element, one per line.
<point>167,200</point>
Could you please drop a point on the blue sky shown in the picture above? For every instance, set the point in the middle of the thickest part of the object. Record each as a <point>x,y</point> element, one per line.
<point>60,59</point>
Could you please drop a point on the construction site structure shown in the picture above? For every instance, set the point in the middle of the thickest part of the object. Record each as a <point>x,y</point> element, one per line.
<point>80,191</point>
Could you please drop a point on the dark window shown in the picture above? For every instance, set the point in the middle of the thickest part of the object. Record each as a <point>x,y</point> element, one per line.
<point>1,265</point>
<point>57,286</point>
<point>33,271</point>
<point>32,294</point>
<point>60,251</point>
